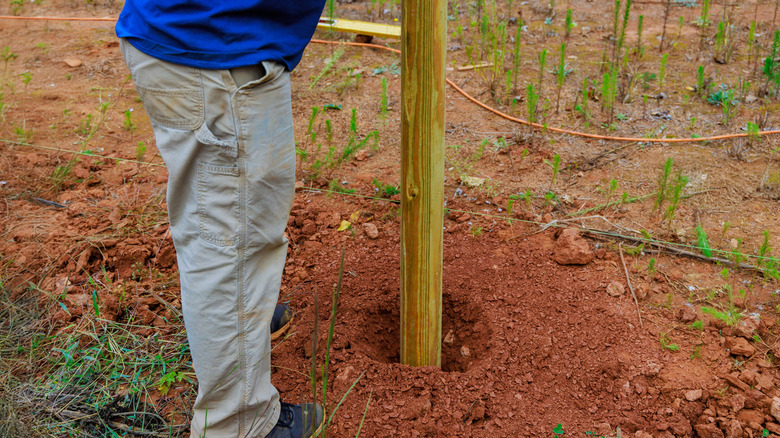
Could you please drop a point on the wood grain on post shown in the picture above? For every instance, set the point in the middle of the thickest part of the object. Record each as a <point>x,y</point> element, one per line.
<point>423,43</point>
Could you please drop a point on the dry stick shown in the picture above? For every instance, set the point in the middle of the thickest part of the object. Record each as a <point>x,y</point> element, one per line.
<point>631,288</point>
<point>777,2</point>
<point>598,234</point>
<point>666,18</point>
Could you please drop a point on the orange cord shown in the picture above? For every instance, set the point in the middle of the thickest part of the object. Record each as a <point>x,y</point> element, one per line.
<point>468,96</point>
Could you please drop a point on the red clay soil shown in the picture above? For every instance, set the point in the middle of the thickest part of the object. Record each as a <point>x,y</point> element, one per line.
<point>527,343</point>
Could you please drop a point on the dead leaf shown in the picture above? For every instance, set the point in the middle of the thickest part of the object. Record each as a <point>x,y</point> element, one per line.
<point>472,181</point>
<point>355,216</point>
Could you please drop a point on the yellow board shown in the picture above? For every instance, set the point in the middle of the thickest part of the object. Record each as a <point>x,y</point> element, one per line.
<point>360,27</point>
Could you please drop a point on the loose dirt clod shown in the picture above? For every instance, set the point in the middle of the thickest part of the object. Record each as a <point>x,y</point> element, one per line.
<point>616,289</point>
<point>572,249</point>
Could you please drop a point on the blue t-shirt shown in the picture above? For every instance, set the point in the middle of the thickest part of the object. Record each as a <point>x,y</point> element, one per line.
<point>213,34</point>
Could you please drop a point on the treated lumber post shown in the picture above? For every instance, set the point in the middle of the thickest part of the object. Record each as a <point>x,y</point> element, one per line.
<point>423,43</point>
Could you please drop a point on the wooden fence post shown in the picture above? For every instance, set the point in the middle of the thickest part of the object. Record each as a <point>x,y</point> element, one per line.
<point>423,45</point>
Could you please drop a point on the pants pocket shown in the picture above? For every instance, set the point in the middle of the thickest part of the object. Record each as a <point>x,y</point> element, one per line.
<point>218,204</point>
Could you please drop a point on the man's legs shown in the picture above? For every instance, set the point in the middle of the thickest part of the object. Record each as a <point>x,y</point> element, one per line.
<point>231,162</point>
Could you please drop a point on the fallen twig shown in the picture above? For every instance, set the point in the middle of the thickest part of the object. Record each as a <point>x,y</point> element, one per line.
<point>631,288</point>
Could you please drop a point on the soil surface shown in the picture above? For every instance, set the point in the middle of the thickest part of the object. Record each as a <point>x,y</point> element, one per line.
<point>541,325</point>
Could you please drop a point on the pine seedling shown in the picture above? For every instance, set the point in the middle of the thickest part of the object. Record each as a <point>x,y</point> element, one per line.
<point>329,131</point>
<point>511,202</point>
<point>666,20</point>
<point>609,92</point>
<point>7,56</point>
<point>383,103</point>
<point>770,62</point>
<point>127,123</point>
<point>651,266</point>
<point>583,106</point>
<point>679,184</point>
<point>700,81</point>
<point>622,37</point>
<point>570,24</point>
<point>640,48</point>
<point>140,150</point>
<point>704,17</point>
<point>663,183</point>
<point>353,122</point>
<point>768,263</point>
<point>542,62</point>
<point>662,70</point>
<point>613,186</point>
<point>26,78</point>
<point>527,197</point>
<point>753,132</point>
<point>329,63</point>
<point>680,24</point>
<point>751,45</point>
<point>532,99</point>
<point>555,164</point>
<point>703,244</point>
<point>310,129</point>
<point>560,74</point>
<point>703,21</point>
<point>516,57</point>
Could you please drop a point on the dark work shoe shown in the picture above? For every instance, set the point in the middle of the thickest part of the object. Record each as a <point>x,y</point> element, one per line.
<point>280,323</point>
<point>295,421</point>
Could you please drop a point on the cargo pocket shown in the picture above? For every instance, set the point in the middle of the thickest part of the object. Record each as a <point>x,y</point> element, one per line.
<point>218,204</point>
<point>173,108</point>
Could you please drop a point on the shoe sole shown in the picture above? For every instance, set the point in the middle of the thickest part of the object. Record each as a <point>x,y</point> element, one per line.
<point>278,334</point>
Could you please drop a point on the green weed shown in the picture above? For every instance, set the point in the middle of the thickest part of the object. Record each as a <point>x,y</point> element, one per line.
<point>386,189</point>
<point>662,70</point>
<point>383,102</point>
<point>329,63</point>
<point>703,244</point>
<point>555,165</point>
<point>128,124</point>
<point>666,343</point>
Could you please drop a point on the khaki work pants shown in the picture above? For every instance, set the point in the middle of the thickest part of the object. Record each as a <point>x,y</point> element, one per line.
<point>227,139</point>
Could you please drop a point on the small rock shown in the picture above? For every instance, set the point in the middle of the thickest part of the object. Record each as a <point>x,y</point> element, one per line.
<point>345,375</point>
<point>765,381</point>
<point>449,338</point>
<point>750,416</point>
<point>463,218</point>
<point>737,402</point>
<point>740,347</point>
<point>331,219</point>
<point>652,369</point>
<point>750,98</point>
<point>709,430</point>
<point>308,228</point>
<point>472,181</point>
<point>572,249</point>
<point>686,314</point>
<point>693,395</point>
<point>72,62</point>
<point>371,230</point>
<point>747,326</point>
<point>465,352</point>
<point>749,377</point>
<point>734,429</point>
<point>775,409</point>
<point>616,289</point>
